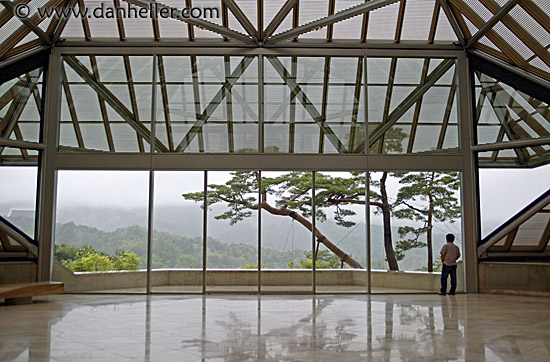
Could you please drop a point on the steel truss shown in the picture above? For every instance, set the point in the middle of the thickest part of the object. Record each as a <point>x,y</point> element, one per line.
<point>267,45</point>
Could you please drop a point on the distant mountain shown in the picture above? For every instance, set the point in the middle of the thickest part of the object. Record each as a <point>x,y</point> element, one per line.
<point>109,227</point>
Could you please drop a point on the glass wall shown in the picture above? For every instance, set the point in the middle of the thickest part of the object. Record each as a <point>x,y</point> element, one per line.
<point>227,104</point>
<point>106,103</point>
<point>232,242</point>
<point>177,247</point>
<point>410,215</point>
<point>341,249</point>
<point>286,235</point>
<point>101,230</point>
<point>496,188</point>
<point>412,105</point>
<point>18,188</point>
<point>211,104</point>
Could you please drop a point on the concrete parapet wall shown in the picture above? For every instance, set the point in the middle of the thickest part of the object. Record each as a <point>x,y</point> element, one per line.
<point>514,278</point>
<point>78,282</point>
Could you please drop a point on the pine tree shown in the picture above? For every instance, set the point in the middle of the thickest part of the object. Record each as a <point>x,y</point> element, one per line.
<point>427,197</point>
<point>292,193</point>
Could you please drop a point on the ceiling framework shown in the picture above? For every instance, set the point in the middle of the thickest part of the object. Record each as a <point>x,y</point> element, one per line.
<point>516,31</point>
<point>20,109</point>
<point>506,116</point>
<point>211,104</point>
<point>214,110</point>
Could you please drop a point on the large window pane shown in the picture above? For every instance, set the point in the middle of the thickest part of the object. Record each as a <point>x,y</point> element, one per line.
<point>208,104</point>
<point>503,193</point>
<point>286,239</point>
<point>106,103</point>
<point>340,214</point>
<point>177,236</point>
<point>232,243</point>
<point>18,195</point>
<point>410,211</point>
<point>313,105</point>
<point>101,231</point>
<point>412,105</point>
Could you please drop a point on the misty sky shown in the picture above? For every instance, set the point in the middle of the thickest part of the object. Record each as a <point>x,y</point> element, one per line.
<point>503,191</point>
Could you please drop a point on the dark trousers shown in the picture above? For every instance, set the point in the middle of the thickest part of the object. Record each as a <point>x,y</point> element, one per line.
<point>444,274</point>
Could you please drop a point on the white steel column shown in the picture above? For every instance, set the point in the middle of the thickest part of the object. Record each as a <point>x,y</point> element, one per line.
<point>469,197</point>
<point>48,175</point>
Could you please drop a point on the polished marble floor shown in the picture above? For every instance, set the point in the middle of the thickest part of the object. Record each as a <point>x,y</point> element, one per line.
<point>277,328</point>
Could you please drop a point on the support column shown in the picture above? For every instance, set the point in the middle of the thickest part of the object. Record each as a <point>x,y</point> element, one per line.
<point>47,179</point>
<point>469,189</point>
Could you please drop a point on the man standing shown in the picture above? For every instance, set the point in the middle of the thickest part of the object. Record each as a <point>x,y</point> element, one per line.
<point>449,255</point>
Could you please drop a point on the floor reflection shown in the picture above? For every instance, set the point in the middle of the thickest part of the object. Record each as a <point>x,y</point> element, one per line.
<point>276,328</point>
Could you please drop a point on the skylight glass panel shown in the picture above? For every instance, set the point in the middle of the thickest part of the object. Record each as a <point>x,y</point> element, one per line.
<point>417,20</point>
<point>270,9</point>
<point>73,28</point>
<point>234,24</point>
<point>311,10</point>
<point>531,25</point>
<point>173,29</point>
<point>479,8</point>
<point>510,38</point>
<point>248,7</point>
<point>101,28</point>
<point>350,28</point>
<point>383,22</point>
<point>9,28</point>
<point>444,31</point>
<point>139,28</point>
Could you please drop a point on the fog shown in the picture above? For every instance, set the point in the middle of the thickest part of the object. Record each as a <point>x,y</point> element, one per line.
<point>503,191</point>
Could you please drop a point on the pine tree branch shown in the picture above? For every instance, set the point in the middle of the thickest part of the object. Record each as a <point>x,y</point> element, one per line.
<point>414,208</point>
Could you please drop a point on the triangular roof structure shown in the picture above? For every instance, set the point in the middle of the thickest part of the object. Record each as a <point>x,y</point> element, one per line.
<point>526,232</point>
<point>514,31</point>
<point>507,34</point>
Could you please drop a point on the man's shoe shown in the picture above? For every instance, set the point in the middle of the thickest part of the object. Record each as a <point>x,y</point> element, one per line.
<point>451,293</point>
<point>441,294</point>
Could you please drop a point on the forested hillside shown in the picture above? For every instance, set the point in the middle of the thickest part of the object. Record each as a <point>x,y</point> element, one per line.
<point>173,250</point>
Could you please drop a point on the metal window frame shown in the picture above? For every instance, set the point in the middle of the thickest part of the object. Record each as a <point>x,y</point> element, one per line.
<point>463,162</point>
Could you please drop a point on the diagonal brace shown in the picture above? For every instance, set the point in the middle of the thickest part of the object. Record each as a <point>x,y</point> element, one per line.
<point>201,23</point>
<point>491,22</point>
<point>408,102</point>
<point>329,20</point>
<point>113,101</point>
<point>278,19</point>
<point>242,19</point>
<point>310,108</point>
<point>214,103</point>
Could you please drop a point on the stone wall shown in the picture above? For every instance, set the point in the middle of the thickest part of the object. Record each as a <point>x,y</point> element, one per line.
<point>520,278</point>
<point>17,272</point>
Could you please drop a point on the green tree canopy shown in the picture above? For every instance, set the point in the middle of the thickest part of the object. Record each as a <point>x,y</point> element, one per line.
<point>426,197</point>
